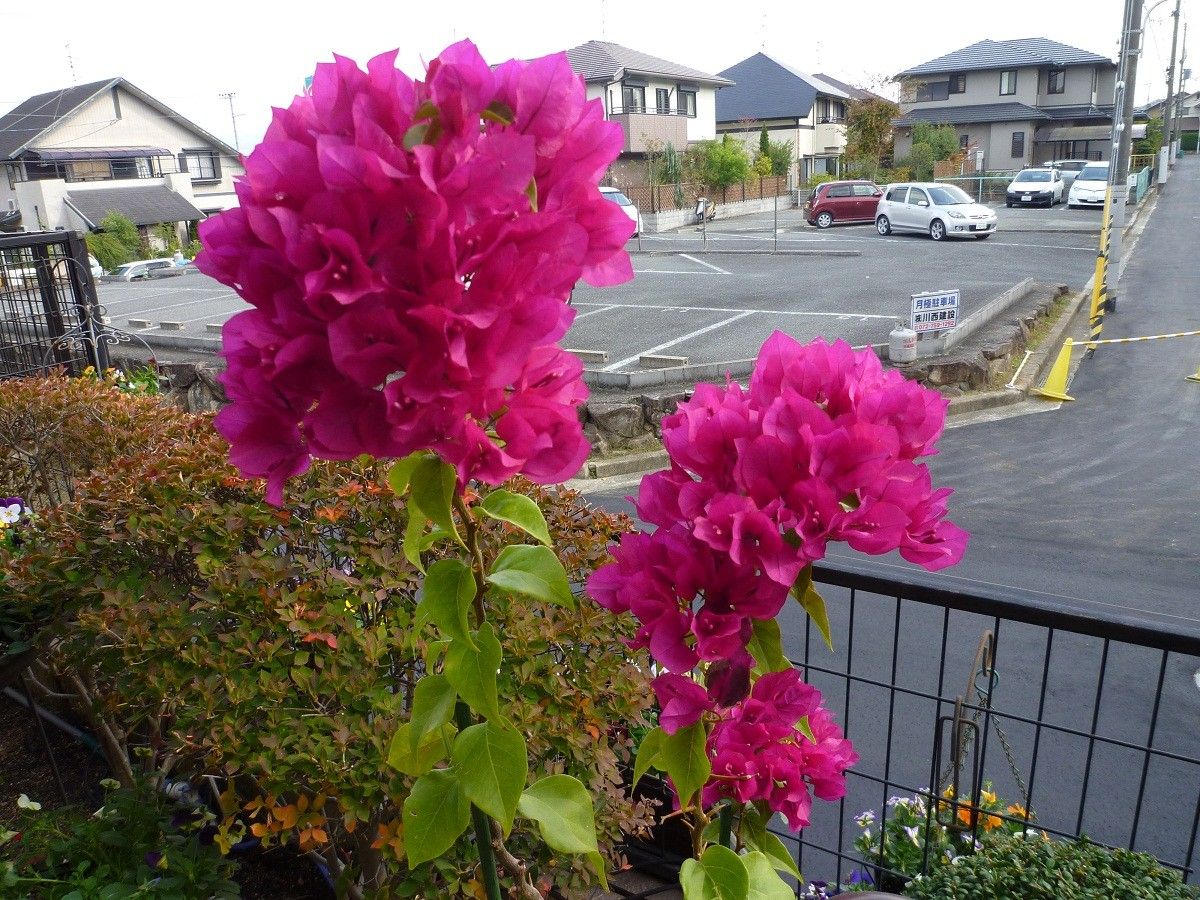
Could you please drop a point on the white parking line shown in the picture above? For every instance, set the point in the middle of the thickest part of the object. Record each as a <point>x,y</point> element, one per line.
<point>769,312</point>
<point>156,309</point>
<point>674,272</point>
<point>143,300</point>
<point>678,340</point>
<point>592,312</point>
<point>703,263</point>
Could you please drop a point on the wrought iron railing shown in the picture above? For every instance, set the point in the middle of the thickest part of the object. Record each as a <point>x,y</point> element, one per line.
<point>1083,712</point>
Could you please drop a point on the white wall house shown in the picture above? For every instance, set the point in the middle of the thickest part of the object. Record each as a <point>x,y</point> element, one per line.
<point>68,157</point>
<point>794,106</point>
<point>655,101</point>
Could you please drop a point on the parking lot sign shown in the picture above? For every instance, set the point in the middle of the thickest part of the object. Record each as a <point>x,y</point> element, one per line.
<point>934,311</point>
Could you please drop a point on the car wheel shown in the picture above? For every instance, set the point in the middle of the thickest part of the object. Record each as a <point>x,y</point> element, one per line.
<point>937,229</point>
<point>982,237</point>
<point>824,220</point>
<point>1008,204</point>
<point>883,226</point>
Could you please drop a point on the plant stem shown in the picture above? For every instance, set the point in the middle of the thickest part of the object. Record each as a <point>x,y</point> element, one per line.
<point>726,822</point>
<point>483,829</point>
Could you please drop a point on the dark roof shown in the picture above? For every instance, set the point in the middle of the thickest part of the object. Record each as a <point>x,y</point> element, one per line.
<point>989,54</point>
<point>141,204</point>
<point>1085,111</point>
<point>856,92</point>
<point>970,115</point>
<point>606,61</point>
<point>765,88</point>
<point>22,125</point>
<point>25,123</point>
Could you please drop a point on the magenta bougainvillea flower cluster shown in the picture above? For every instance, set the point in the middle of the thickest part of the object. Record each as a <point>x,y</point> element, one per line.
<point>823,446</point>
<point>408,248</point>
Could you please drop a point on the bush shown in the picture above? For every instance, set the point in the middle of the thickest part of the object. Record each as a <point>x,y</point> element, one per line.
<point>192,250</point>
<point>780,154</point>
<point>818,178</point>
<point>130,847</point>
<point>108,250</point>
<point>1187,141</point>
<point>275,650</point>
<point>920,162</point>
<point>942,140</point>
<point>1033,868</point>
<point>722,163</point>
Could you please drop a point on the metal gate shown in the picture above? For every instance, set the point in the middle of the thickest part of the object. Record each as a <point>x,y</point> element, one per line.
<point>49,314</point>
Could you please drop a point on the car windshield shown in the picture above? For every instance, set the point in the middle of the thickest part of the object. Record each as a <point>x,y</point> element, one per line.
<point>1093,173</point>
<point>122,270</point>
<point>1034,175</point>
<point>949,196</point>
<point>618,197</point>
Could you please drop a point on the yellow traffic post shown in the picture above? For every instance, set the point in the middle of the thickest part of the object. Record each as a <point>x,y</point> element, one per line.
<point>1055,387</point>
<point>1099,289</point>
<point>1195,377</point>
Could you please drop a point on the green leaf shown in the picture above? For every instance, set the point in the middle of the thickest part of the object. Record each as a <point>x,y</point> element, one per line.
<point>563,810</point>
<point>719,874</point>
<point>401,471</point>
<point>533,571</point>
<point>435,814</point>
<point>766,646</point>
<point>492,762</point>
<point>813,603</point>
<point>500,112</point>
<point>433,484</point>
<point>519,510</point>
<point>806,729</point>
<point>532,193</point>
<point>684,758</point>
<point>757,836</point>
<point>413,530</point>
<point>472,671</point>
<point>415,135</point>
<point>648,754</point>
<point>429,752</point>
<point>446,599</point>
<point>433,703</point>
<point>764,883</point>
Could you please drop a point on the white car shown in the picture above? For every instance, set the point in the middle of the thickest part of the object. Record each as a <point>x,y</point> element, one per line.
<point>939,210</point>
<point>142,269</point>
<point>1089,187</point>
<point>630,208</point>
<point>1035,186</point>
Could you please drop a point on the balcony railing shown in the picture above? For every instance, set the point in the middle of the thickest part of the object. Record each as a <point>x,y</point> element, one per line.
<point>650,111</point>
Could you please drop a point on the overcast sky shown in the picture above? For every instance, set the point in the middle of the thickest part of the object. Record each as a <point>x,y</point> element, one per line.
<point>185,55</point>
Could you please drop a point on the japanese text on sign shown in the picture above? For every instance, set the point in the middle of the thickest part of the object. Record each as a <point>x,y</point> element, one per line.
<point>935,311</point>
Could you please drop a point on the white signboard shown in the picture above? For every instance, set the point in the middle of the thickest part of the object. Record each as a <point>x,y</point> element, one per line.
<point>934,311</point>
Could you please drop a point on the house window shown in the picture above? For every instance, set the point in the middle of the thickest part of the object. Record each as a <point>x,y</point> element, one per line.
<point>633,98</point>
<point>202,165</point>
<point>1008,82</point>
<point>124,168</point>
<point>1018,145</point>
<point>1056,81</point>
<point>963,141</point>
<point>663,101</point>
<point>831,111</point>
<point>958,83</point>
<point>687,104</point>
<point>932,90</point>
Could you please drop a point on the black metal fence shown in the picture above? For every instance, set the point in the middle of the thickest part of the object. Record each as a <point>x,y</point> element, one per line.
<point>49,315</point>
<point>1086,715</point>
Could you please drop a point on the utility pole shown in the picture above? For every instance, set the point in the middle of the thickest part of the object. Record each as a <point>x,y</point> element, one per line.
<point>1118,166</point>
<point>232,118</point>
<point>1169,111</point>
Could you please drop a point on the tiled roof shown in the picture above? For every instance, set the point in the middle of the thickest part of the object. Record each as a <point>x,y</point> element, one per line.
<point>1085,111</point>
<point>148,204</point>
<point>856,92</point>
<point>989,54</point>
<point>27,120</point>
<point>765,88</point>
<point>606,61</point>
<point>970,115</point>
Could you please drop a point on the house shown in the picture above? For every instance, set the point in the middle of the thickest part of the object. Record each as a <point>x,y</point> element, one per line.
<point>856,93</point>
<point>804,109</point>
<point>1187,111</point>
<point>656,102</point>
<point>1014,102</point>
<point>71,156</point>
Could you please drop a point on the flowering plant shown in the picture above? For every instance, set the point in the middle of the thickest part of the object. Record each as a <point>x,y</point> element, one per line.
<point>408,248</point>
<point>912,838</point>
<point>822,446</point>
<point>13,514</point>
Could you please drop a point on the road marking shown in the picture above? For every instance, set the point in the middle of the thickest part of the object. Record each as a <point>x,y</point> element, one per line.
<point>767,238</point>
<point>155,309</point>
<point>592,312</point>
<point>769,312</point>
<point>678,340</point>
<point>703,263</point>
<point>142,300</point>
<point>674,272</point>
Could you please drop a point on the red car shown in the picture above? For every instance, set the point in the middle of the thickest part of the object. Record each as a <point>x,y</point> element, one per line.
<point>842,201</point>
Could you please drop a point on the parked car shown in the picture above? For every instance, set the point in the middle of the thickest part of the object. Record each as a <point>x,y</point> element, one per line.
<point>1034,186</point>
<point>143,269</point>
<point>1069,169</point>
<point>939,210</point>
<point>842,201</point>
<point>1089,187</point>
<point>631,210</point>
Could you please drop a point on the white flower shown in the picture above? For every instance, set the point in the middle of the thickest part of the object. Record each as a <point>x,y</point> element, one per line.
<point>23,802</point>
<point>912,831</point>
<point>865,819</point>
<point>10,515</point>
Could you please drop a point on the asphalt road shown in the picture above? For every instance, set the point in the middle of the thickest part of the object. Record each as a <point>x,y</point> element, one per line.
<point>1091,505</point>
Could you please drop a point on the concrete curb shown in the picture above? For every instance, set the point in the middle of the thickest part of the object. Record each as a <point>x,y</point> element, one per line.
<point>181,342</point>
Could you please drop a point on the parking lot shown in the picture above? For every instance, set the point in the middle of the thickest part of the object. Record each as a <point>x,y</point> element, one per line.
<point>717,296</point>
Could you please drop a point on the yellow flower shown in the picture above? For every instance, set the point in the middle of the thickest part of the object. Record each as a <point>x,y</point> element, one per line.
<point>1016,809</point>
<point>988,797</point>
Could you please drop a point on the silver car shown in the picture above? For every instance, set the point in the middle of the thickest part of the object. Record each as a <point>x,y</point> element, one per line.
<point>939,210</point>
<point>1069,169</point>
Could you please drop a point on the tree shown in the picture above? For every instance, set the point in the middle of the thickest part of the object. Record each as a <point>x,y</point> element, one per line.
<point>780,154</point>
<point>869,133</point>
<point>724,162</point>
<point>764,143</point>
<point>672,172</point>
<point>1153,139</point>
<point>920,162</point>
<point>942,140</point>
<point>115,242</point>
